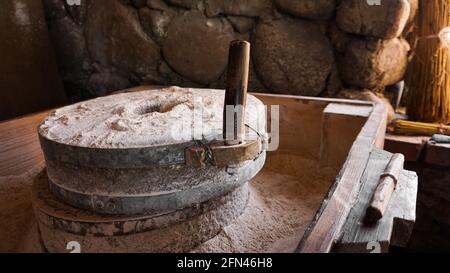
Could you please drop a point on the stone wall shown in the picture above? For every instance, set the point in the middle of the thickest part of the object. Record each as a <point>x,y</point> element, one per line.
<point>302,47</point>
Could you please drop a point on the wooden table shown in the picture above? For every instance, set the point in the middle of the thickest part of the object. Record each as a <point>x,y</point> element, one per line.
<point>19,144</point>
<point>419,149</point>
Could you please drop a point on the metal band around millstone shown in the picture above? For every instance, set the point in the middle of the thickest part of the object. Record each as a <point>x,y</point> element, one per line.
<point>162,203</point>
<point>57,215</point>
<point>120,158</point>
<point>117,158</point>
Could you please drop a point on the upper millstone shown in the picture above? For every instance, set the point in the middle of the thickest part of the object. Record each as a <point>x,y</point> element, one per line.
<point>143,119</point>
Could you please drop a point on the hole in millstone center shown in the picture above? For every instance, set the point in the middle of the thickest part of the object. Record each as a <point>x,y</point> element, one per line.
<point>157,107</point>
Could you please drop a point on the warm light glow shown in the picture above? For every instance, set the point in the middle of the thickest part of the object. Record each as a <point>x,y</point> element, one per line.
<point>444,36</point>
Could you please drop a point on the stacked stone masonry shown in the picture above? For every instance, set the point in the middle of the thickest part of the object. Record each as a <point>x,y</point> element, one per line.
<point>301,47</point>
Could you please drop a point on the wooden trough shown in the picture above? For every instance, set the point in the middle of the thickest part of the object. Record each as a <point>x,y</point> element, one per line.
<point>344,136</point>
<point>348,136</point>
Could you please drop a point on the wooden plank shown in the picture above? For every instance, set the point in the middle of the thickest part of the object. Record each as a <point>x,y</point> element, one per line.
<point>299,124</point>
<point>396,226</point>
<point>331,216</point>
<point>349,110</point>
<point>348,121</point>
<point>410,146</point>
<point>20,150</point>
<point>437,154</point>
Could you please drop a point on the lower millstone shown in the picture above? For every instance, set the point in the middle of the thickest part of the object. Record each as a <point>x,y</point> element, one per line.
<point>179,231</point>
<point>155,190</point>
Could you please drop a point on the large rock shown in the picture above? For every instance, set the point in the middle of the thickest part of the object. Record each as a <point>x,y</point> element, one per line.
<point>70,48</point>
<point>189,4</point>
<point>115,39</point>
<point>197,47</point>
<point>370,63</point>
<point>77,12</point>
<point>241,24</point>
<point>158,5</point>
<point>54,9</point>
<point>154,22</point>
<point>339,39</point>
<point>139,3</point>
<point>103,83</point>
<point>312,9</point>
<point>386,20</point>
<point>253,8</point>
<point>292,56</point>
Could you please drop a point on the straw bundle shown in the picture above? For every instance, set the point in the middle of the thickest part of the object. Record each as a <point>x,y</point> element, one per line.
<point>428,77</point>
<point>405,127</point>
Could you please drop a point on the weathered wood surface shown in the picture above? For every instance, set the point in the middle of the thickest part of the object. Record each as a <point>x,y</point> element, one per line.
<point>236,92</point>
<point>220,155</point>
<point>348,121</point>
<point>395,228</point>
<point>386,186</point>
<point>412,147</point>
<point>331,216</point>
<point>419,148</point>
<point>438,154</point>
<point>20,150</point>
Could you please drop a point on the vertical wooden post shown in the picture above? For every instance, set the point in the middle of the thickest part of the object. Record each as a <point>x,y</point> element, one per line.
<point>236,93</point>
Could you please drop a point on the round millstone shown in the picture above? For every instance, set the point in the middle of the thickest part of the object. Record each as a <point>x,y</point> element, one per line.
<point>125,154</point>
<point>179,231</point>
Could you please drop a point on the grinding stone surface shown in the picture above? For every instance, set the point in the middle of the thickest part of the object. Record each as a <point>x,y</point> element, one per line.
<point>150,191</point>
<point>179,231</point>
<point>144,119</point>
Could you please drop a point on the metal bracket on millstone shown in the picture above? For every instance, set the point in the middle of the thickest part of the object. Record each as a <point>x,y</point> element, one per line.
<point>221,155</point>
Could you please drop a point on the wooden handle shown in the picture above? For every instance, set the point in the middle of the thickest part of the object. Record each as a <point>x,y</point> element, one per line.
<point>236,93</point>
<point>385,188</point>
<point>222,156</point>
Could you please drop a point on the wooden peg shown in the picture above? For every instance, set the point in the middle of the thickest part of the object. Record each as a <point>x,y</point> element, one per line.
<point>236,93</point>
<point>386,186</point>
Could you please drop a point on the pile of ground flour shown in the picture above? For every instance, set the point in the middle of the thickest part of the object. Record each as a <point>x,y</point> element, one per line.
<point>18,228</point>
<point>284,198</point>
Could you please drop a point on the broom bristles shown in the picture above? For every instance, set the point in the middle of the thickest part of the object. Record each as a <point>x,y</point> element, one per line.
<point>428,76</point>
